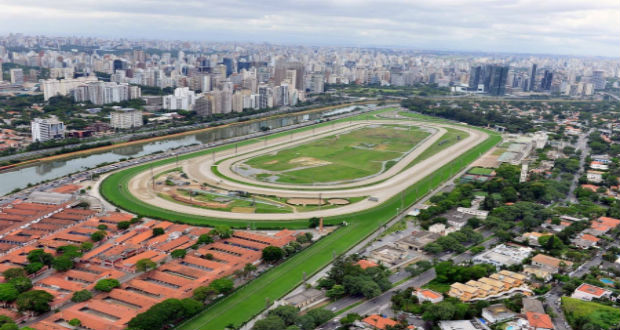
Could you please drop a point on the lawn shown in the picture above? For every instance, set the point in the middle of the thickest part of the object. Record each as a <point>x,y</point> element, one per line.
<point>447,139</point>
<point>480,171</point>
<point>356,154</point>
<point>594,313</point>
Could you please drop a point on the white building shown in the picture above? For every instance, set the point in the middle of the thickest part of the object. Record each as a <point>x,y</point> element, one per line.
<point>588,292</point>
<point>45,129</point>
<point>64,87</point>
<point>17,76</point>
<point>594,176</point>
<point>126,118</point>
<point>503,255</point>
<point>428,295</point>
<point>182,99</point>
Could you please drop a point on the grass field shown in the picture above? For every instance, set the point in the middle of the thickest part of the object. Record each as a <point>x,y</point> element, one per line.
<point>342,157</point>
<point>595,313</point>
<point>249,300</point>
<point>480,171</point>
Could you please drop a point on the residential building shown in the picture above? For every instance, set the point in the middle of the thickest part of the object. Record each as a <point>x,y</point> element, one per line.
<point>376,321</point>
<point>539,321</point>
<point>17,76</point>
<point>497,313</point>
<point>588,292</point>
<point>585,241</point>
<point>554,265</point>
<point>125,118</point>
<point>503,255</point>
<point>45,129</point>
<point>595,176</point>
<point>182,99</point>
<point>428,295</point>
<point>417,240</point>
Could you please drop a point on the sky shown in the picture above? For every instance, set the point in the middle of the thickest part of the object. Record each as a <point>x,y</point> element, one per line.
<point>570,27</point>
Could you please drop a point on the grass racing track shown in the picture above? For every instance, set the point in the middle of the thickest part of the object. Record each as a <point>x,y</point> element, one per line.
<point>249,300</point>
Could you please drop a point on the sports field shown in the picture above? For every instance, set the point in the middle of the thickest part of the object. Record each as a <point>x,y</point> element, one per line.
<point>353,155</point>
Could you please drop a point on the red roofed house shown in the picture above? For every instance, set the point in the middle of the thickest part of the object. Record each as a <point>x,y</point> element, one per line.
<point>379,322</point>
<point>539,321</point>
<point>588,292</point>
<point>585,241</point>
<point>363,263</point>
<point>428,295</point>
<point>604,224</point>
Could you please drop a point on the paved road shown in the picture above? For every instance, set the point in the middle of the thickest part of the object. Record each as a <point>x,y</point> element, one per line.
<point>585,267</point>
<point>382,303</point>
<point>552,302</point>
<point>582,144</point>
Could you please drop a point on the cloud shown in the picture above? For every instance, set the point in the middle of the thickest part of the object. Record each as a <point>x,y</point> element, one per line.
<point>582,27</point>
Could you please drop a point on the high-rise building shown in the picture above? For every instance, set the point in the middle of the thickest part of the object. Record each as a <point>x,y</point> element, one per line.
<point>63,87</point>
<point>598,79</point>
<point>545,83</point>
<point>497,80</point>
<point>204,105</point>
<point>17,76</point>
<point>228,62</point>
<point>318,85</point>
<point>182,99</point>
<point>532,83</point>
<point>45,129</point>
<point>474,77</point>
<point>125,118</point>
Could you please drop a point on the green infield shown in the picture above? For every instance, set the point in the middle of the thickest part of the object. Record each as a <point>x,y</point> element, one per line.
<point>360,153</point>
<point>249,300</point>
<point>579,312</point>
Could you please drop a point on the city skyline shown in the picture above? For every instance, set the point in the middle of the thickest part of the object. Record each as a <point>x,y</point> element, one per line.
<point>524,27</point>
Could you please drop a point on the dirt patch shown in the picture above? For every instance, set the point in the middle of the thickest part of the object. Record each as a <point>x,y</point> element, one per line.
<point>305,201</point>
<point>242,209</point>
<point>308,161</point>
<point>381,147</point>
<point>271,162</point>
<point>338,201</point>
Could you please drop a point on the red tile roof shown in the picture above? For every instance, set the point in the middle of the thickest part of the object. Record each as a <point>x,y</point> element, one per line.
<point>539,320</point>
<point>379,322</point>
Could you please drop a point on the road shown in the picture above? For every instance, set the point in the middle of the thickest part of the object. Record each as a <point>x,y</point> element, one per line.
<point>585,267</point>
<point>552,301</point>
<point>582,144</point>
<point>382,303</point>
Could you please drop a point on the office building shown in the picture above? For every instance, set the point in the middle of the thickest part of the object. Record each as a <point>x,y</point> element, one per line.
<point>125,118</point>
<point>545,83</point>
<point>532,78</point>
<point>474,77</point>
<point>45,129</point>
<point>598,79</point>
<point>498,76</point>
<point>17,76</point>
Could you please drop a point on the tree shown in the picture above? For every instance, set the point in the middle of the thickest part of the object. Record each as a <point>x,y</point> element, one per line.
<point>162,314</point>
<point>22,284</point>
<point>106,285</point>
<point>201,293</point>
<point>314,222</point>
<point>178,253</point>
<point>248,269</point>
<point>144,265</point>
<point>287,313</point>
<point>272,254</point>
<point>222,285</point>
<point>34,267</point>
<point>8,292</point>
<point>336,291</point>
<point>98,235</point>
<point>158,231</point>
<point>13,273</point>
<point>37,301</point>
<point>6,323</point>
<point>86,246</point>
<point>205,239</point>
<point>62,263</point>
<point>271,322</point>
<point>222,231</point>
<point>82,295</point>
<point>38,255</point>
<point>75,322</point>
<point>123,225</point>
<point>102,227</point>
<point>70,251</point>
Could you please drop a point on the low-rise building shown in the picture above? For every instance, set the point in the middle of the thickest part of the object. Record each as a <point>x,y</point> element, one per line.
<point>532,305</point>
<point>585,241</point>
<point>417,240</point>
<point>503,255</point>
<point>553,265</point>
<point>539,321</point>
<point>377,321</point>
<point>428,295</point>
<point>462,325</point>
<point>594,176</point>
<point>497,313</point>
<point>493,286</point>
<point>588,292</point>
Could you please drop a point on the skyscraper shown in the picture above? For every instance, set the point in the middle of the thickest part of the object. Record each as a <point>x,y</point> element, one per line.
<point>497,80</point>
<point>545,83</point>
<point>598,79</point>
<point>532,83</point>
<point>474,77</point>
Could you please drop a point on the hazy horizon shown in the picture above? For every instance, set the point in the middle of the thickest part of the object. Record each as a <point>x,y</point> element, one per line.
<point>576,28</point>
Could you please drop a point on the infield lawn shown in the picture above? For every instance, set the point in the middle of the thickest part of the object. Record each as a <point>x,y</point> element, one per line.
<point>353,155</point>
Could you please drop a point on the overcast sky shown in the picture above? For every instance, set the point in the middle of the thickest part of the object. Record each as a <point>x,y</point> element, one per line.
<point>579,27</point>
